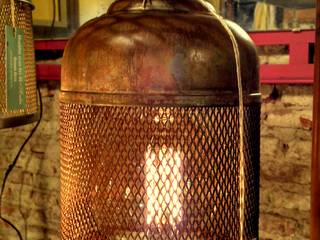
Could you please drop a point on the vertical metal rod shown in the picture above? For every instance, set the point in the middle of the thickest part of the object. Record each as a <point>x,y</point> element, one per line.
<point>229,5</point>
<point>315,178</point>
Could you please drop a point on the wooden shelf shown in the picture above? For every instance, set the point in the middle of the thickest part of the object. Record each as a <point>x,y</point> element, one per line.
<point>297,71</point>
<point>57,44</point>
<point>49,71</point>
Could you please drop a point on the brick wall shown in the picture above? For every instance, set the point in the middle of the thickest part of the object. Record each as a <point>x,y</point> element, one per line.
<point>285,168</point>
<point>31,199</point>
<point>285,162</point>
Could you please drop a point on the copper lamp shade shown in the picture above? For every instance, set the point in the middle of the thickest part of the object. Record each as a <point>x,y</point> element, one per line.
<point>150,126</point>
<point>18,97</point>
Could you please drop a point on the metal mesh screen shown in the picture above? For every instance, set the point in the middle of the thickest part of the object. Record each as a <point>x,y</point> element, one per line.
<point>156,172</point>
<point>23,17</point>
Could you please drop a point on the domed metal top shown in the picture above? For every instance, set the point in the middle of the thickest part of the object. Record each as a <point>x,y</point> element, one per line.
<point>186,6</point>
<point>157,52</point>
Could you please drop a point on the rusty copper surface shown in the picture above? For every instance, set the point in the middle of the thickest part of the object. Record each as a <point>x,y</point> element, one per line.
<point>150,126</point>
<point>150,52</point>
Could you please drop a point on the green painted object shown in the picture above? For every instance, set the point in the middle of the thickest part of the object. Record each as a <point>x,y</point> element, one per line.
<point>15,69</point>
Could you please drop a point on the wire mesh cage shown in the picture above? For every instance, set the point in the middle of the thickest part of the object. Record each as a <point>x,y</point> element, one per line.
<point>18,96</point>
<point>156,173</point>
<point>149,117</point>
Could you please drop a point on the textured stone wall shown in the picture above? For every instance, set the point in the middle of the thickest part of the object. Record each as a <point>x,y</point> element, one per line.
<point>31,198</point>
<point>285,162</point>
<point>285,168</point>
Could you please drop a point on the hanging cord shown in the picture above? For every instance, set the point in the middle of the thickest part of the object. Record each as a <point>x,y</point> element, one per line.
<point>145,2</point>
<point>241,115</point>
<point>12,165</point>
<point>13,13</point>
<point>54,13</point>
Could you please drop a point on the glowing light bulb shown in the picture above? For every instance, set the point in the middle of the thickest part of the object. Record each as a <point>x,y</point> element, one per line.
<point>164,193</point>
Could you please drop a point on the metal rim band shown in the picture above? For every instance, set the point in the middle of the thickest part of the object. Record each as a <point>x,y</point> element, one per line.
<point>104,99</point>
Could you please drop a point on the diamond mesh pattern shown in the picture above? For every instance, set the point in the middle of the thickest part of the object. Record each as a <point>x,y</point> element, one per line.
<point>156,172</point>
<point>23,16</point>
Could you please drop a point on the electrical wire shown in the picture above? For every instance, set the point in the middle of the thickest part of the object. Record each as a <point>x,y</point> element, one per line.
<point>54,13</point>
<point>241,128</point>
<point>237,59</point>
<point>13,164</point>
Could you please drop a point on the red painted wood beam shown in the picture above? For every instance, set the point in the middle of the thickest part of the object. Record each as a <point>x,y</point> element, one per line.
<point>286,71</point>
<point>50,44</point>
<point>48,72</point>
<point>282,37</point>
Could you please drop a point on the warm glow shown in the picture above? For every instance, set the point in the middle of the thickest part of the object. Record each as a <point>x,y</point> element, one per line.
<point>163,178</point>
